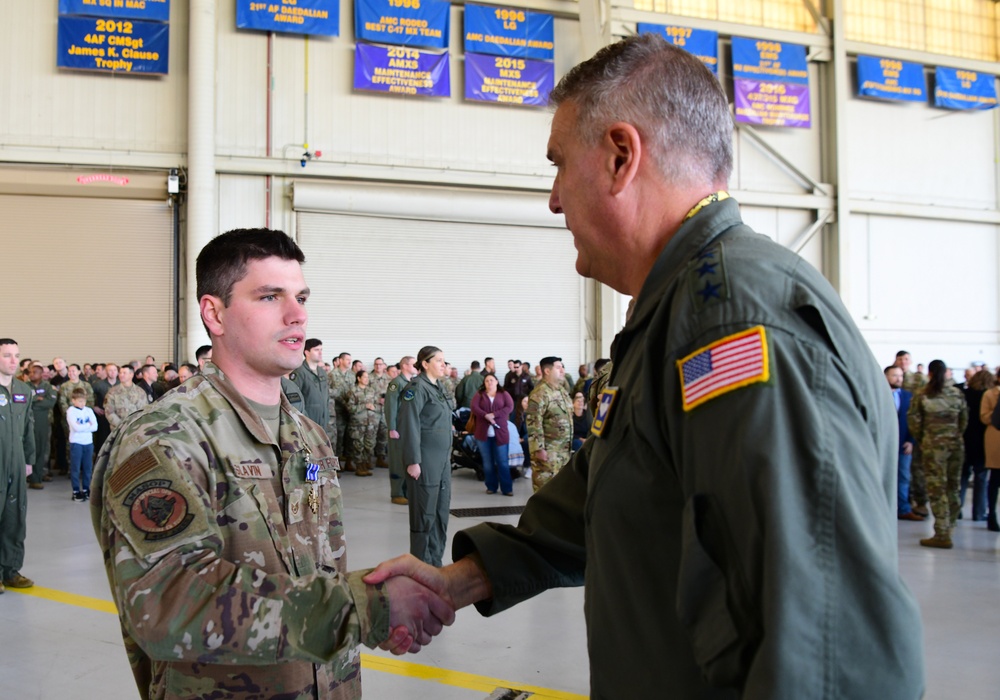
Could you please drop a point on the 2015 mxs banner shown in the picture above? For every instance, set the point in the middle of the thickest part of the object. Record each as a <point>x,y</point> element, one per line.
<point>508,80</point>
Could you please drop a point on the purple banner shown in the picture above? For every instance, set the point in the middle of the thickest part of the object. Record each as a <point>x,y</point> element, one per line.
<point>508,80</point>
<point>772,104</point>
<point>400,70</point>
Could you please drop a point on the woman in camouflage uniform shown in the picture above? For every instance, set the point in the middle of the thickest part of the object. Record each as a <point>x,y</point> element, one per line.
<point>937,418</point>
<point>362,426</point>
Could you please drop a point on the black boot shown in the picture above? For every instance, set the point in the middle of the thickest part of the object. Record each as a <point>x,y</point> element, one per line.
<point>991,522</point>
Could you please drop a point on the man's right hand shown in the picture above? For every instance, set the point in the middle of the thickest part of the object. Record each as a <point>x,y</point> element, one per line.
<point>417,609</point>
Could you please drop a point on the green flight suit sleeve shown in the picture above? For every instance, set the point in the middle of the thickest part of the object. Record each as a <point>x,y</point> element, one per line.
<point>392,404</point>
<point>46,401</point>
<point>411,404</point>
<point>28,437</point>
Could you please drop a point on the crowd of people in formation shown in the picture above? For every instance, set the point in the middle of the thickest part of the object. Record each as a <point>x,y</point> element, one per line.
<point>526,423</point>
<point>949,435</point>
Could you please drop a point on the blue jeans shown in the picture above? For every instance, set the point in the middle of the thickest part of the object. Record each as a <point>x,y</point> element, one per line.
<point>495,464</point>
<point>903,484</point>
<point>81,457</point>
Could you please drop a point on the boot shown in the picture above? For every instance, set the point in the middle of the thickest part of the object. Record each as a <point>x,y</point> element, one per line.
<point>381,463</point>
<point>991,522</point>
<point>364,469</point>
<point>938,541</point>
<point>348,465</point>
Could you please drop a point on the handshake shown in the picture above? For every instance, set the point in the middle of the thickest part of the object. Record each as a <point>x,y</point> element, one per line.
<point>423,599</point>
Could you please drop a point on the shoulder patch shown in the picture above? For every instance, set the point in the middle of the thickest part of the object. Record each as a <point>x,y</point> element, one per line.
<point>393,387</point>
<point>707,278</point>
<point>134,467</point>
<point>292,376</point>
<point>158,510</point>
<point>729,363</point>
<point>408,395</point>
<point>604,405</point>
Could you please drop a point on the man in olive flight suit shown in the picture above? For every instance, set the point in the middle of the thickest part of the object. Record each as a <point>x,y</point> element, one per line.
<point>17,454</point>
<point>44,400</point>
<point>732,514</point>
<point>393,392</point>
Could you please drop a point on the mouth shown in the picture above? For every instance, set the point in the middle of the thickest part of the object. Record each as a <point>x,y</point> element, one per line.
<point>293,341</point>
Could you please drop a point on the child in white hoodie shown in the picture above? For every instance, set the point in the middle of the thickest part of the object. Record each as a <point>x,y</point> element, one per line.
<point>82,425</point>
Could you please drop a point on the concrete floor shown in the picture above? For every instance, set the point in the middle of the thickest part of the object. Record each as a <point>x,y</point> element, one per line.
<point>63,640</point>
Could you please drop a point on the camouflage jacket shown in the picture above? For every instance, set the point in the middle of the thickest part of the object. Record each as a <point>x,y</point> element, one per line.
<point>358,399</point>
<point>340,385</point>
<point>225,551</point>
<point>448,386</point>
<point>66,394</point>
<point>934,420</point>
<point>381,384</point>
<point>549,419</point>
<point>122,401</point>
<point>914,382</point>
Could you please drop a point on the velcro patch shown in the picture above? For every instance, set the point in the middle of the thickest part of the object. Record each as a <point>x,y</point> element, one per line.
<point>408,395</point>
<point>393,387</point>
<point>20,398</point>
<point>733,362</point>
<point>130,470</point>
<point>158,510</point>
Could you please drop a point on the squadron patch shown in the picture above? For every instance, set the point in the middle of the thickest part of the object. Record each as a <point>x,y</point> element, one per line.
<point>607,400</point>
<point>393,387</point>
<point>158,510</point>
<point>408,395</point>
<point>20,398</point>
<point>3,399</point>
<point>735,361</point>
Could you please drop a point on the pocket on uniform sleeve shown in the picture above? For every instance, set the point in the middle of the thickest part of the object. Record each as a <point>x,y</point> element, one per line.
<point>702,602</point>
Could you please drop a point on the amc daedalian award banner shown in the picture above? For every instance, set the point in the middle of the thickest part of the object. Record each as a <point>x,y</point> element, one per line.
<point>964,89</point>
<point>509,31</point>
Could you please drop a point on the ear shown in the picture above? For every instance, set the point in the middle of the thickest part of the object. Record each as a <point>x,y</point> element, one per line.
<point>212,310</point>
<point>624,153</point>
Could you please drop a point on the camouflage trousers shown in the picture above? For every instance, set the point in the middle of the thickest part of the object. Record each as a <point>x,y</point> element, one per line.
<point>361,442</point>
<point>541,471</point>
<point>918,484</point>
<point>382,440</point>
<point>331,428</point>
<point>943,471</point>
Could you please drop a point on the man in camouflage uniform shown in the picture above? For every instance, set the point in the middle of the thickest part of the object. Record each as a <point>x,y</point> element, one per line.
<point>914,382</point>
<point>341,380</point>
<point>218,510</point>
<point>393,392</point>
<point>380,380</point>
<point>43,401</point>
<point>550,423</point>
<point>17,454</point>
<point>124,398</point>
<point>937,419</point>
<point>449,382</point>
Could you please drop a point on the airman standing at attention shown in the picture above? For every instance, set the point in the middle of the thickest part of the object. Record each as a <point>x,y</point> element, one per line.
<point>380,381</point>
<point>550,423</point>
<point>393,393</point>
<point>17,455</point>
<point>124,398</point>
<point>341,380</point>
<point>43,401</point>
<point>314,384</point>
<point>362,425</point>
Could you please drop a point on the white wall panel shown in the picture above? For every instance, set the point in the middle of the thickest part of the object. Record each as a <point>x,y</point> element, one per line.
<point>927,286</point>
<point>241,83</point>
<point>241,202</point>
<point>915,153</point>
<point>43,106</point>
<point>784,226</point>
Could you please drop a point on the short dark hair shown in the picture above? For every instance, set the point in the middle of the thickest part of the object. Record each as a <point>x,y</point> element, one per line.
<point>312,342</point>
<point>548,361</point>
<point>886,370</point>
<point>75,365</point>
<point>343,355</point>
<point>223,261</point>
<point>193,369</point>
<point>902,352</point>
<point>475,364</point>
<point>169,366</point>
<point>599,364</point>
<point>8,341</point>
<point>488,359</point>
<point>145,367</point>
<point>202,351</point>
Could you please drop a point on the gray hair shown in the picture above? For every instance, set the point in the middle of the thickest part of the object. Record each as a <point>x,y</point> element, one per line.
<point>667,94</point>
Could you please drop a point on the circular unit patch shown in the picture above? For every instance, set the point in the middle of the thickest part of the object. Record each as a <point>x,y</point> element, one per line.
<point>158,511</point>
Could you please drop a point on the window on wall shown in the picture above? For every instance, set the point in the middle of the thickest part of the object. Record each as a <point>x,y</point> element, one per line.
<point>775,14</point>
<point>966,28</point>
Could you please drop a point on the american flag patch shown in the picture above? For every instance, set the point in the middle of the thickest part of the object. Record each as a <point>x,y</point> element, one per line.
<point>730,363</point>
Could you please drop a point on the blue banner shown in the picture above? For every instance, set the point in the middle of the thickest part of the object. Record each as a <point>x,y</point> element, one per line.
<point>152,10</point>
<point>964,89</point>
<point>508,80</point>
<point>291,16</point>
<point>400,70</point>
<point>891,79</point>
<point>119,46</point>
<point>507,31</point>
<point>406,22</point>
<point>757,59</point>
<point>703,43</point>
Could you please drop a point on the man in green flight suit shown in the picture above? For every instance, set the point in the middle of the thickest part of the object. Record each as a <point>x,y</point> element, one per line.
<point>732,514</point>
<point>42,404</point>
<point>313,383</point>
<point>17,454</point>
<point>219,512</point>
<point>393,392</point>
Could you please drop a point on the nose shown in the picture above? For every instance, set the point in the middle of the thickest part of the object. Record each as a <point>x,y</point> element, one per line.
<point>295,313</point>
<point>554,206</point>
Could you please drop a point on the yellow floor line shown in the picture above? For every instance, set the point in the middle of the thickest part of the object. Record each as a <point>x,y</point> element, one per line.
<point>382,664</point>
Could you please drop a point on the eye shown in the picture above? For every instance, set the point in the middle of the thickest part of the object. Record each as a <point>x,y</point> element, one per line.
<point>268,297</point>
<point>302,299</point>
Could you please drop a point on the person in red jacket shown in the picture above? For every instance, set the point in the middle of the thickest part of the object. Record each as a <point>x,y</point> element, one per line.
<point>491,406</point>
